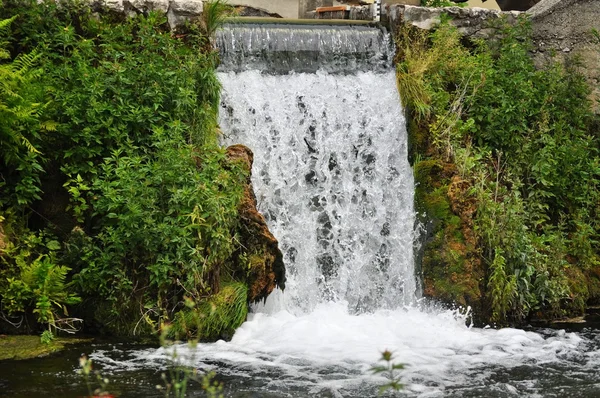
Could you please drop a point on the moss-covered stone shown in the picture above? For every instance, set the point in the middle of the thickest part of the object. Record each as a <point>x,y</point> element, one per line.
<point>449,258</point>
<point>26,347</point>
<point>259,262</point>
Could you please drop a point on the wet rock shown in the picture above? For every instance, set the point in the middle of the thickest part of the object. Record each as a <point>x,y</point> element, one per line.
<point>260,258</point>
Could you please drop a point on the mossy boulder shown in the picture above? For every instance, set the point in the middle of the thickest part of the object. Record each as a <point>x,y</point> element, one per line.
<point>252,272</point>
<point>259,261</point>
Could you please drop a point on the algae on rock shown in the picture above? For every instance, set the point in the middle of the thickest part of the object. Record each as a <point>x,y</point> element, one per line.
<point>27,347</point>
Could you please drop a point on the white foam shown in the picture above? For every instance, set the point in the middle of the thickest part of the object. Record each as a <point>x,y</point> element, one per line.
<point>330,349</point>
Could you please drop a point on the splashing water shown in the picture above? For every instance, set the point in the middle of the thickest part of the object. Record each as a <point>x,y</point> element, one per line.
<point>332,178</point>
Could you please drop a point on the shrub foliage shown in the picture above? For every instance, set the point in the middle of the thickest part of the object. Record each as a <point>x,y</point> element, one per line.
<point>517,162</point>
<point>110,167</point>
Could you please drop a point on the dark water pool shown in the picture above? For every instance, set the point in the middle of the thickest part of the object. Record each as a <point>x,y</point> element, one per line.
<point>134,372</point>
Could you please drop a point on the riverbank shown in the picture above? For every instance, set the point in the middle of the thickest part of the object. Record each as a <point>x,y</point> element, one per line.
<point>27,347</point>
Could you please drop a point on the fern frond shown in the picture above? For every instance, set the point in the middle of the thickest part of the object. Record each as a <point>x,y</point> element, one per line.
<point>25,62</point>
<point>28,145</point>
<point>49,125</point>
<point>5,23</point>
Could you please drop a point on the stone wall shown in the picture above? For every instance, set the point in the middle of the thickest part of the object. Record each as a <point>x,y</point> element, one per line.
<point>177,10</point>
<point>472,22</point>
<point>562,29</point>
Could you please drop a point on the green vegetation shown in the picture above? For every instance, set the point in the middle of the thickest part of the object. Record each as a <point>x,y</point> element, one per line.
<point>216,317</point>
<point>117,207</point>
<point>442,3</point>
<point>390,371</point>
<point>21,103</point>
<point>508,172</point>
<point>27,347</point>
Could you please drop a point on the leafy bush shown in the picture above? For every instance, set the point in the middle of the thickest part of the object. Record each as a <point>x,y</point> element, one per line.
<point>139,194</point>
<point>522,143</point>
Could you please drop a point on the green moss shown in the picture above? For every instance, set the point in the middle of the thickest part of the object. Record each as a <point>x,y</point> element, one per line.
<point>213,318</point>
<point>593,284</point>
<point>437,206</point>
<point>579,292</point>
<point>26,347</point>
<point>256,260</point>
<point>449,260</point>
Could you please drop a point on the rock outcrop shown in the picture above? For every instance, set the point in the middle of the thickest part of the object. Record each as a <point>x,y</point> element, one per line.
<point>562,29</point>
<point>248,11</point>
<point>260,258</point>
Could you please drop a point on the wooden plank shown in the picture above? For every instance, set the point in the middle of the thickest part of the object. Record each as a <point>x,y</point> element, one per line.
<point>332,9</point>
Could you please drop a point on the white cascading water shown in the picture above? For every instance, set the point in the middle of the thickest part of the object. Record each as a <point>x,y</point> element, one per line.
<point>332,178</point>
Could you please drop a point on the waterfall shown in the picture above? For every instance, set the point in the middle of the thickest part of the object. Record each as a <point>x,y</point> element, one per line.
<point>319,108</point>
<point>331,173</point>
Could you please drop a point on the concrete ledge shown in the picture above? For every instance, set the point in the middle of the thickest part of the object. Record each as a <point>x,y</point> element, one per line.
<point>289,21</point>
